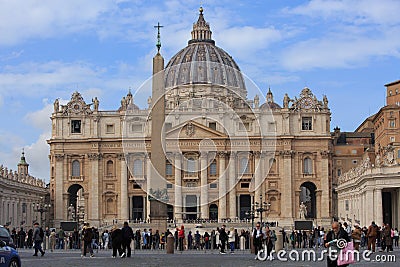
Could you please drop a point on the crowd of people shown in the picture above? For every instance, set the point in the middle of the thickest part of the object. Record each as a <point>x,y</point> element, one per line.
<point>122,240</point>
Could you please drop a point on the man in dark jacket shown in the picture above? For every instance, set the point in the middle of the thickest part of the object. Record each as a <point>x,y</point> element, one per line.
<point>37,239</point>
<point>223,238</point>
<point>87,234</point>
<point>127,235</point>
<point>331,241</point>
<point>116,237</point>
<point>257,239</point>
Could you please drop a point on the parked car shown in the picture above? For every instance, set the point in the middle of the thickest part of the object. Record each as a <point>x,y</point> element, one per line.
<point>9,256</point>
<point>5,236</point>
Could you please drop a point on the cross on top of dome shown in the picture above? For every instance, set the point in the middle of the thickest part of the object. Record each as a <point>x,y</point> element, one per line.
<point>201,30</point>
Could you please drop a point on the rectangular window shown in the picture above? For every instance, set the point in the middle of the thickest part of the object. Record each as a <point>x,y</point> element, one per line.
<point>75,126</point>
<point>212,125</point>
<point>392,123</point>
<point>306,124</point>
<point>244,126</point>
<point>110,128</point>
<point>137,128</point>
<point>169,186</point>
<point>244,185</point>
<point>346,205</point>
<point>354,151</point>
<point>339,172</point>
<point>398,153</point>
<point>213,185</point>
<point>392,139</point>
<point>168,169</point>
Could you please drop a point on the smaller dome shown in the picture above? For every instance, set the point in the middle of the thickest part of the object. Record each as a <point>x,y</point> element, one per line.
<point>270,105</point>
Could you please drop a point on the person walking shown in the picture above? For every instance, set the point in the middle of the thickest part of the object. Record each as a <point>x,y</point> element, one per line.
<point>181,237</point>
<point>116,241</point>
<point>87,234</point>
<point>356,236</point>
<point>223,237</point>
<point>387,235</point>
<point>257,239</point>
<point>231,240</point>
<point>52,240</point>
<point>37,238</point>
<point>127,235</point>
<point>372,234</point>
<point>331,240</point>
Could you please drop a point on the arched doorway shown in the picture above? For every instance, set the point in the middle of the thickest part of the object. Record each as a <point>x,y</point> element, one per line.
<point>76,203</point>
<point>308,197</point>
<point>213,212</point>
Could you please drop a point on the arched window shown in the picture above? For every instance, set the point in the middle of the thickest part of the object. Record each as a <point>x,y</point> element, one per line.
<point>137,168</point>
<point>213,168</point>
<point>110,168</point>
<point>76,168</point>
<point>244,165</point>
<point>191,165</point>
<point>307,166</point>
<point>272,165</point>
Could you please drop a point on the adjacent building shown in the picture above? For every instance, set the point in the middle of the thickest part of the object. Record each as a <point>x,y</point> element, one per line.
<point>20,196</point>
<point>371,190</point>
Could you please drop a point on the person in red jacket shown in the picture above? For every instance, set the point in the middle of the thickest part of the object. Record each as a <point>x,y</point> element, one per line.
<point>181,237</point>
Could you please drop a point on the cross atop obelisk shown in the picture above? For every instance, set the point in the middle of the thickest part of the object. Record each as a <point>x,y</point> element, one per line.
<point>158,26</point>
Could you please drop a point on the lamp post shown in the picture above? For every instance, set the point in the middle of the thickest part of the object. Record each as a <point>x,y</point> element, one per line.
<point>41,207</point>
<point>262,207</point>
<point>252,214</point>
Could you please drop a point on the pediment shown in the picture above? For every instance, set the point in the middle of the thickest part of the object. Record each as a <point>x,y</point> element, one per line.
<point>195,130</point>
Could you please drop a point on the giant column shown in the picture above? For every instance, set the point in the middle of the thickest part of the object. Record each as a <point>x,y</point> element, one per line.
<point>178,187</point>
<point>232,186</point>
<point>222,186</point>
<point>157,182</point>
<point>204,186</point>
<point>124,190</point>
<point>378,206</point>
<point>58,201</point>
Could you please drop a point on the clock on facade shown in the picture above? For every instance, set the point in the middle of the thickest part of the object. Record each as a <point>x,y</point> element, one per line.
<point>306,102</point>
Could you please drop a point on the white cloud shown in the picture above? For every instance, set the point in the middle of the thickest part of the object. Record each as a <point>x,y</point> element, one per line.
<point>339,51</point>
<point>41,118</point>
<point>353,11</point>
<point>25,19</point>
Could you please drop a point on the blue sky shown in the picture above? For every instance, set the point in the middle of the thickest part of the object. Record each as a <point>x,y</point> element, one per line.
<point>346,50</point>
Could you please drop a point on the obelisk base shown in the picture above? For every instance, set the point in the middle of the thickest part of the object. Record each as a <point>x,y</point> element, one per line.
<point>158,216</point>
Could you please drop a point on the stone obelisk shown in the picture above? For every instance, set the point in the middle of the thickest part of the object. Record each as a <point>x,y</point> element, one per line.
<point>156,182</point>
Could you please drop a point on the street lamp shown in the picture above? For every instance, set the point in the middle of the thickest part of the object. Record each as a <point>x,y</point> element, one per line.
<point>262,207</point>
<point>41,207</point>
<point>252,213</point>
<point>79,214</point>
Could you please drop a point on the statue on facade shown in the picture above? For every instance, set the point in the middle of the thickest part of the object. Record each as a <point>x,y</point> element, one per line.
<point>149,100</point>
<point>378,161</point>
<point>325,100</point>
<point>123,103</point>
<point>286,101</point>
<point>256,101</point>
<point>302,211</point>
<point>95,104</point>
<point>56,105</point>
<point>71,213</point>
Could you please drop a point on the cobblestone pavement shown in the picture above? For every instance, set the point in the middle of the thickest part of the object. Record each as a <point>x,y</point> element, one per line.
<point>72,258</point>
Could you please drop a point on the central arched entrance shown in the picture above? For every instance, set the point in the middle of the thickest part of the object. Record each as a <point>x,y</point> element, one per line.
<point>76,203</point>
<point>308,197</point>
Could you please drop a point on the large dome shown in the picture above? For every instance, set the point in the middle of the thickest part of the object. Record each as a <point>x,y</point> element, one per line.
<point>202,62</point>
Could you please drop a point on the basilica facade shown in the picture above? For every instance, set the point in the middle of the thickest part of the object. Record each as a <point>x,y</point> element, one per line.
<point>224,153</point>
